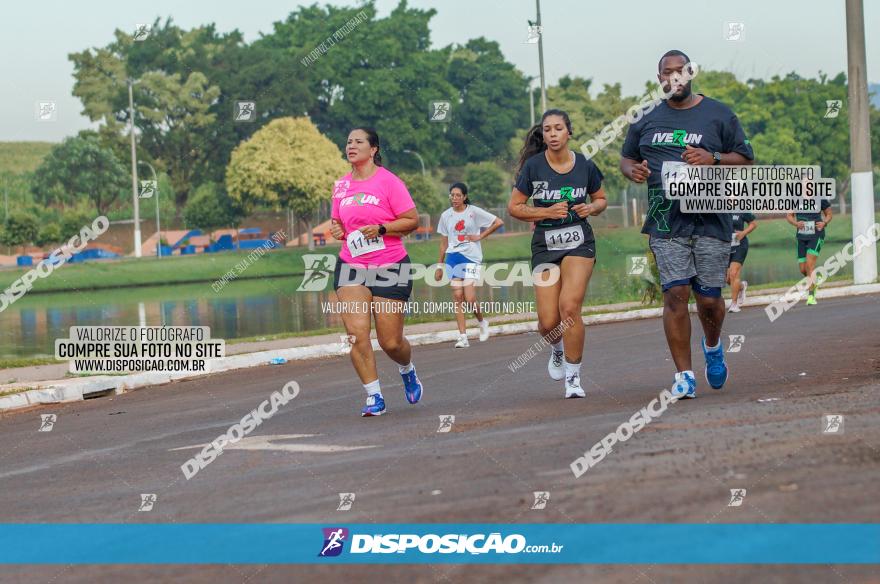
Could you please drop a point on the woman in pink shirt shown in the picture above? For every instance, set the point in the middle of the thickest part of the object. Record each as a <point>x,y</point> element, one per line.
<point>372,210</point>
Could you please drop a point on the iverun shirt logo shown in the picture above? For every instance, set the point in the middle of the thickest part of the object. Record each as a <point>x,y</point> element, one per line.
<point>541,191</point>
<point>360,199</point>
<point>675,138</point>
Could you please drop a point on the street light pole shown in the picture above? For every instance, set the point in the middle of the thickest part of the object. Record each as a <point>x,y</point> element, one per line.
<point>417,155</point>
<point>862,177</point>
<point>158,230</point>
<point>531,102</point>
<point>134,179</point>
<point>541,58</point>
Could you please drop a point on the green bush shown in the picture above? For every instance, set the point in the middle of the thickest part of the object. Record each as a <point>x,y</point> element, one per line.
<point>19,229</point>
<point>210,207</point>
<point>49,234</point>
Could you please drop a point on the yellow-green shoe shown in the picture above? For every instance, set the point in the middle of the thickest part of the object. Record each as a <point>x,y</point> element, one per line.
<point>811,300</point>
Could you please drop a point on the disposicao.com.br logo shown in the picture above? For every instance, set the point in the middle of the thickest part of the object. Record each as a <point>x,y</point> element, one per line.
<point>430,543</point>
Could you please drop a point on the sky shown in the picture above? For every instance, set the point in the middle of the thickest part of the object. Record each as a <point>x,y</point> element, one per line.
<point>607,41</point>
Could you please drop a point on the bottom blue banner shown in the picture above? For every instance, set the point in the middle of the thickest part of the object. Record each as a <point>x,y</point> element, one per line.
<point>451,543</point>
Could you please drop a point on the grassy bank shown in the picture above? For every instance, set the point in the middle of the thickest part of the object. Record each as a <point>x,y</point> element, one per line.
<point>613,244</point>
<point>19,157</point>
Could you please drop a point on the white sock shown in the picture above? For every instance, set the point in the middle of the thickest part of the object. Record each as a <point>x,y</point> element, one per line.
<point>372,388</point>
<point>404,369</point>
<point>572,369</point>
<point>557,346</point>
<point>681,374</point>
<point>715,348</point>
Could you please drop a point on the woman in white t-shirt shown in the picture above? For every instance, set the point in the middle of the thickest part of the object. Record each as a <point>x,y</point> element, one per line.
<point>460,227</point>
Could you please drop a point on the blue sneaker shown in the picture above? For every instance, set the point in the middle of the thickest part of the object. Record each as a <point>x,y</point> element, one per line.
<point>375,406</point>
<point>684,386</point>
<point>716,368</point>
<point>412,386</point>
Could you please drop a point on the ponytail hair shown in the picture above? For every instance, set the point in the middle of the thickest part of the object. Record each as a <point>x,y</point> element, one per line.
<point>535,136</point>
<point>534,144</point>
<point>373,139</point>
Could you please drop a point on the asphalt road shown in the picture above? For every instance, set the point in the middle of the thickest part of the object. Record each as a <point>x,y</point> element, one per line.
<point>513,434</point>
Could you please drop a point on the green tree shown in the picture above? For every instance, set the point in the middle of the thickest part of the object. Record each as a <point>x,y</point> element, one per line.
<point>174,110</point>
<point>287,164</point>
<point>173,97</point>
<point>492,101</point>
<point>488,185</point>
<point>80,169</point>
<point>426,193</point>
<point>19,230</point>
<point>383,73</point>
<point>49,234</point>
<point>210,207</point>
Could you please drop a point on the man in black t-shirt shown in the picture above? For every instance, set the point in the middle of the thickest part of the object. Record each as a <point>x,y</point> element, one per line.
<point>692,249</point>
<point>810,237</point>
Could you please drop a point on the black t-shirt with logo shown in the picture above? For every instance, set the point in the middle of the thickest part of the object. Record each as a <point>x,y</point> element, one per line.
<point>739,221</point>
<point>546,187</point>
<point>814,217</point>
<point>661,136</point>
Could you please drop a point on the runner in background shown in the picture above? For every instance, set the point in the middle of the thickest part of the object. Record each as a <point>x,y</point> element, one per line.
<point>559,182</point>
<point>738,251</point>
<point>810,236</point>
<point>460,227</point>
<point>372,210</point>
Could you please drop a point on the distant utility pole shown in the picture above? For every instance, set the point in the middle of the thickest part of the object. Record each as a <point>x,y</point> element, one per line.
<point>134,173</point>
<point>861,177</point>
<point>541,58</point>
<point>156,194</point>
<point>419,156</point>
<point>531,102</point>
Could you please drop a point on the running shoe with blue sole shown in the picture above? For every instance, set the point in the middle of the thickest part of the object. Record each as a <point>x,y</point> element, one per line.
<point>684,386</point>
<point>375,406</point>
<point>412,386</point>
<point>716,368</point>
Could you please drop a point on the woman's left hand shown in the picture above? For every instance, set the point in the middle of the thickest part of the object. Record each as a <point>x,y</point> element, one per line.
<point>370,231</point>
<point>583,210</point>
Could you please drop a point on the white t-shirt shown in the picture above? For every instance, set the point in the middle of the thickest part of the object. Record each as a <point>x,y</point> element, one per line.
<point>457,226</point>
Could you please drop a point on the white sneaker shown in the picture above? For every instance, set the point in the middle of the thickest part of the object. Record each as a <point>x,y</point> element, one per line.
<point>733,307</point>
<point>741,297</point>
<point>484,330</point>
<point>554,367</point>
<point>462,342</point>
<point>573,387</point>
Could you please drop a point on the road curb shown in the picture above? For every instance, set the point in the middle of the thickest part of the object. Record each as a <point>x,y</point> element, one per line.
<point>77,389</point>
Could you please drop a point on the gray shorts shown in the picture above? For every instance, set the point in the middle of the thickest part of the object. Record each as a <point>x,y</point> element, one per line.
<point>695,260</point>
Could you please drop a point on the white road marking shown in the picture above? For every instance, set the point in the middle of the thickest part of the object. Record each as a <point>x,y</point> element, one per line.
<point>268,443</point>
